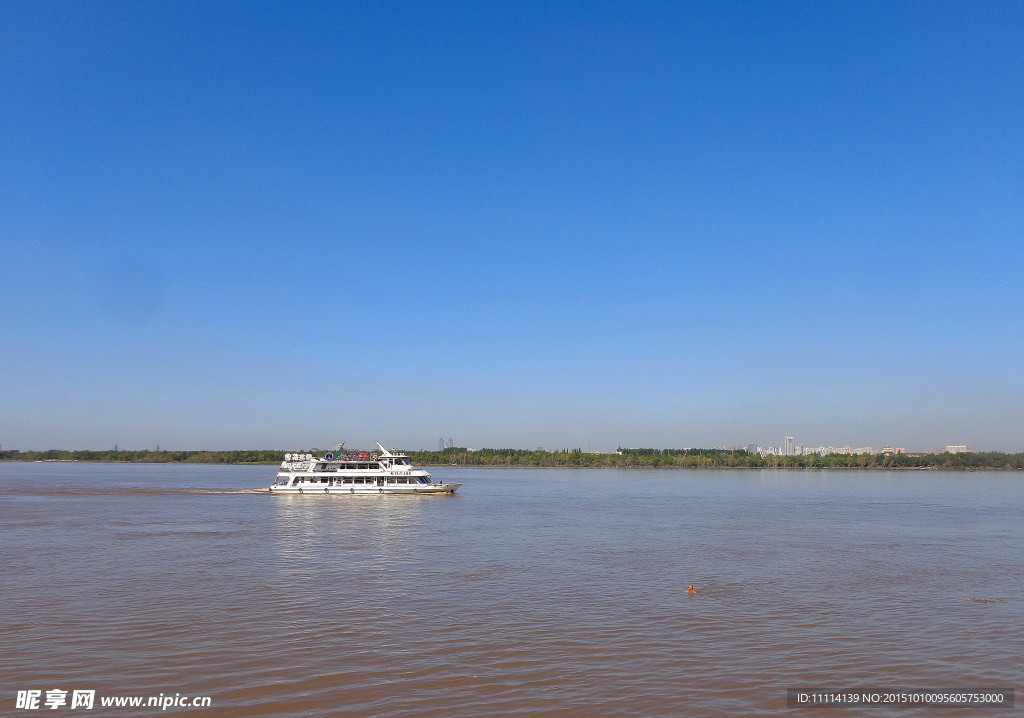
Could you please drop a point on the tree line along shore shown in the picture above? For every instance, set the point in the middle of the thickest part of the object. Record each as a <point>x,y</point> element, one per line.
<point>624,458</point>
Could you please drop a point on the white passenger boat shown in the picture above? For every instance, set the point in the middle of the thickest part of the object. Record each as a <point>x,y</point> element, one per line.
<point>386,472</point>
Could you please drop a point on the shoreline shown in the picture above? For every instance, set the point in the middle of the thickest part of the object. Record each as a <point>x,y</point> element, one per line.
<point>662,467</point>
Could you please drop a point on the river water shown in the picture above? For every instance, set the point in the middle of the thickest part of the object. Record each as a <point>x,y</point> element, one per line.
<point>530,592</point>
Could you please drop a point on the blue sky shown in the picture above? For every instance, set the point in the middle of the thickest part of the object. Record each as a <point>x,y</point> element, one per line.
<point>281,225</point>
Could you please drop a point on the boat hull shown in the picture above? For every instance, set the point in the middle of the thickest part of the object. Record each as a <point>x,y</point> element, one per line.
<point>442,488</point>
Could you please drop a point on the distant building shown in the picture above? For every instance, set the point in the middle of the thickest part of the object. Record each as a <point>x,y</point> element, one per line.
<point>789,448</point>
<point>957,449</point>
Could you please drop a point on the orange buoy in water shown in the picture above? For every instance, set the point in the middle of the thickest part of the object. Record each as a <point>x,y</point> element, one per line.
<point>691,589</point>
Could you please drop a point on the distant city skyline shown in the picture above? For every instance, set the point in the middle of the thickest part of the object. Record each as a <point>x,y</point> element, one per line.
<point>226,225</point>
<point>785,449</point>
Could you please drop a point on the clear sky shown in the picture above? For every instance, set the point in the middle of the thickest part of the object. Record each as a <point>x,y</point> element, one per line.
<point>663,224</point>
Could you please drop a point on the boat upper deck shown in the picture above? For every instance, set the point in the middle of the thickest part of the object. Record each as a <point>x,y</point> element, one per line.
<point>361,461</point>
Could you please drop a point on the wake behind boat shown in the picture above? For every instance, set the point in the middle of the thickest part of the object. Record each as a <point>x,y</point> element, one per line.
<point>388,472</point>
